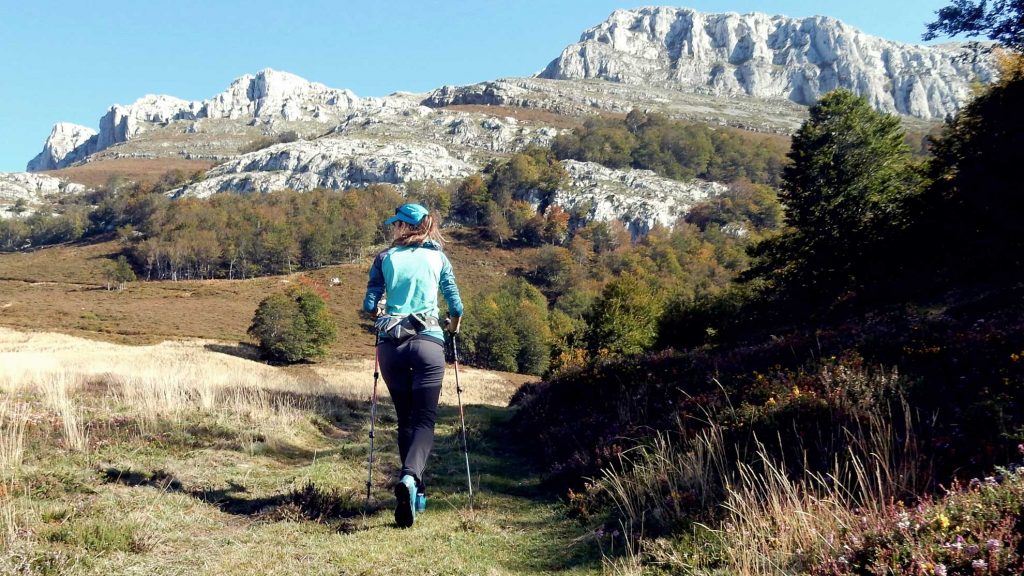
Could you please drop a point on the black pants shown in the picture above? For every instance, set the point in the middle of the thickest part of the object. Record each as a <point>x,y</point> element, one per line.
<point>413,371</point>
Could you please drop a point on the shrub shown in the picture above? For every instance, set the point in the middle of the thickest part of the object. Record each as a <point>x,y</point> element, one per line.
<point>293,327</point>
<point>624,320</point>
<point>510,329</point>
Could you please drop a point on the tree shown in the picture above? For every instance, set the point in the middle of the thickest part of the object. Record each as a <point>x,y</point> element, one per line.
<point>293,326</point>
<point>842,194</point>
<point>119,273</point>
<point>509,330</point>
<point>430,194</point>
<point>971,212</point>
<point>624,320</point>
<point>1001,21</point>
<point>556,225</point>
<point>471,198</point>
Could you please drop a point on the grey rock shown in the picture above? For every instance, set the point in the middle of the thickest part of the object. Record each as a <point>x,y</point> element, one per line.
<point>640,199</point>
<point>773,57</point>
<point>35,191</point>
<point>329,163</point>
<point>67,142</point>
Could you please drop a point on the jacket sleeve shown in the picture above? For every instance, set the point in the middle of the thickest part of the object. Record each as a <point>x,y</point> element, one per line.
<point>449,289</point>
<point>375,285</point>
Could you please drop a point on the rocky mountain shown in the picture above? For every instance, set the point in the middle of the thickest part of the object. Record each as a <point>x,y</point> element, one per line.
<point>25,193</point>
<point>750,71</point>
<point>639,198</point>
<point>268,96</point>
<point>65,145</point>
<point>582,98</point>
<point>772,57</point>
<point>337,163</point>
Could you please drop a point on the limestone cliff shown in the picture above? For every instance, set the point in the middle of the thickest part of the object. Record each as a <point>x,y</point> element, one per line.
<point>772,57</point>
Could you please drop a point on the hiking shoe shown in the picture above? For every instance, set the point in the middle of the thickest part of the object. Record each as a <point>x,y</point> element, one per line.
<point>405,508</point>
<point>421,502</point>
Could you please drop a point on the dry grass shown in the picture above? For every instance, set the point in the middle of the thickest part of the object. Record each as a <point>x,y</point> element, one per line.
<point>163,381</point>
<point>96,174</point>
<point>13,416</point>
<point>774,521</point>
<point>62,289</point>
<point>639,488</point>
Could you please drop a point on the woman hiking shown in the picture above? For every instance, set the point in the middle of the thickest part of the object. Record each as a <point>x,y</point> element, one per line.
<point>410,340</point>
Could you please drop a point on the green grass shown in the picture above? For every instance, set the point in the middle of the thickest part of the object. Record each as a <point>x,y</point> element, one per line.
<point>204,497</point>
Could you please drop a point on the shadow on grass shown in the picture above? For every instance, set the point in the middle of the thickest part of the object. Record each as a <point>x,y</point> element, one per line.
<point>496,460</point>
<point>335,508</point>
<point>241,350</point>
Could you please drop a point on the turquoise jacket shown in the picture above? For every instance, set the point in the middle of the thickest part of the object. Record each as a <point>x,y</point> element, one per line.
<point>411,276</point>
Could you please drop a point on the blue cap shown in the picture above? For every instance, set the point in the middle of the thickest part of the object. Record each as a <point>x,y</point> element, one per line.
<point>408,213</point>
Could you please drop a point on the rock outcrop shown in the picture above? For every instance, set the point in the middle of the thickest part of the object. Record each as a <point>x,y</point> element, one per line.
<point>329,163</point>
<point>23,193</point>
<point>772,57</point>
<point>268,96</point>
<point>66,143</point>
<point>576,98</point>
<point>639,198</point>
<point>272,94</point>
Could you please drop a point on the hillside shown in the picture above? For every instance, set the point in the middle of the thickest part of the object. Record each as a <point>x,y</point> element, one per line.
<point>64,288</point>
<point>272,129</point>
<point>178,457</point>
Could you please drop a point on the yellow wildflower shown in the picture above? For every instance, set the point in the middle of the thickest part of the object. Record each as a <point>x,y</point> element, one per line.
<point>943,521</point>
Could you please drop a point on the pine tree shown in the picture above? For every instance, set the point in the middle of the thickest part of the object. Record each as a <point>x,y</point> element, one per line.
<point>843,195</point>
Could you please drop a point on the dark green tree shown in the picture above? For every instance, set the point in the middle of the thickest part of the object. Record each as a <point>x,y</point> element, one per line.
<point>119,273</point>
<point>293,326</point>
<point>971,213</point>
<point>999,20</point>
<point>509,330</point>
<point>843,195</point>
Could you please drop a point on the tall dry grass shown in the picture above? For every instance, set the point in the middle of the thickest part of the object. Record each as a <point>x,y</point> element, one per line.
<point>781,521</point>
<point>169,383</point>
<point>13,418</point>
<point>663,481</point>
<point>769,520</point>
<point>156,386</point>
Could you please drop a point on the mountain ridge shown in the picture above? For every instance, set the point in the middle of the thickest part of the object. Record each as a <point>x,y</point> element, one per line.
<point>266,96</point>
<point>766,56</point>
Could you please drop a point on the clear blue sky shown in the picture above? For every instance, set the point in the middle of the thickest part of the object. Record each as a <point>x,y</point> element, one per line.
<point>69,61</point>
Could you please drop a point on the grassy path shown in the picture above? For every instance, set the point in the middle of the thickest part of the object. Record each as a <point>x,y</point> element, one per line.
<point>202,498</point>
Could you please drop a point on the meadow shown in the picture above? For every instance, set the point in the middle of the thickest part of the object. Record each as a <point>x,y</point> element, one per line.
<point>176,457</point>
<point>146,437</point>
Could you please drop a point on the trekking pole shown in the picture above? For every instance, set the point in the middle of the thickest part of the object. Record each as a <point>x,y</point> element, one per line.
<point>373,417</point>
<point>462,417</point>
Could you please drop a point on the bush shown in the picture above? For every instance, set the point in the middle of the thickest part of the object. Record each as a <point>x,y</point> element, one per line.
<point>624,319</point>
<point>293,327</point>
<point>510,329</point>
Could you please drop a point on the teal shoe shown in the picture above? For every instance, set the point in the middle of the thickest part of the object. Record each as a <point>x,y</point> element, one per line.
<point>421,503</point>
<point>405,507</point>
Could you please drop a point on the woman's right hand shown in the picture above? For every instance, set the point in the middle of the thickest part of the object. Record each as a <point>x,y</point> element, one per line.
<point>453,324</point>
